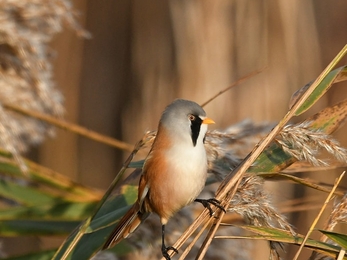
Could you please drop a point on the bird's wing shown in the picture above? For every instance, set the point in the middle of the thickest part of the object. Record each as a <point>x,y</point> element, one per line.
<point>142,191</point>
<point>143,184</point>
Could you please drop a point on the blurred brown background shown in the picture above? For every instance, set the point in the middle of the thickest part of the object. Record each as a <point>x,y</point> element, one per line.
<point>144,54</point>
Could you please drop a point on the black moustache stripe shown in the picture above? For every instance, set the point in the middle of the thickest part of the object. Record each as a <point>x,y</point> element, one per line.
<point>195,128</point>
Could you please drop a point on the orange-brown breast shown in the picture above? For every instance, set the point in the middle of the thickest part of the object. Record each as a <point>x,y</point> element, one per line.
<point>159,197</point>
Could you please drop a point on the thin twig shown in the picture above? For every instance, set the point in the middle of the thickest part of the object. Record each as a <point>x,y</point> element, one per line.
<point>210,236</point>
<point>341,254</point>
<point>71,127</point>
<point>319,215</point>
<point>189,231</point>
<point>190,246</point>
<point>239,81</point>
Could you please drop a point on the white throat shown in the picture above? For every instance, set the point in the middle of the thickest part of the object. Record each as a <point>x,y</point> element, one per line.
<point>189,168</point>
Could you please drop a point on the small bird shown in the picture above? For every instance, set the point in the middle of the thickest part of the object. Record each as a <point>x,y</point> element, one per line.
<point>174,172</point>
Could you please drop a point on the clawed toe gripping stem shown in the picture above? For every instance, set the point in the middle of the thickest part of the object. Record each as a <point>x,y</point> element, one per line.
<point>206,203</point>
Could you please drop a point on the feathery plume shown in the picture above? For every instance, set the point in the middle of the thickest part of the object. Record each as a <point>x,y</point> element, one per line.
<point>26,71</point>
<point>304,143</point>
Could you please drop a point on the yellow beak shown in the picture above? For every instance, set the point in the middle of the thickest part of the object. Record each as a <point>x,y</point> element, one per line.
<point>208,121</point>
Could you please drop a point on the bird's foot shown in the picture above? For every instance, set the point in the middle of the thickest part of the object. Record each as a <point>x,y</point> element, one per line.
<point>164,251</point>
<point>206,203</point>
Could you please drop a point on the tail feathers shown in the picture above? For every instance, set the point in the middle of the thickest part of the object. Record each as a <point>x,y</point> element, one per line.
<point>127,225</point>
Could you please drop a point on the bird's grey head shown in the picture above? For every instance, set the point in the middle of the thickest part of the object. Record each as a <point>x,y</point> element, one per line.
<point>183,118</point>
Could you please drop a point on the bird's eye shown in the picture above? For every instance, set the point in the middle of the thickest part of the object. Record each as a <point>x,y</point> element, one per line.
<point>191,117</point>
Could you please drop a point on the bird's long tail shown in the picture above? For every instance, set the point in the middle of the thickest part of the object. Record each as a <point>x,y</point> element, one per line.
<point>127,225</point>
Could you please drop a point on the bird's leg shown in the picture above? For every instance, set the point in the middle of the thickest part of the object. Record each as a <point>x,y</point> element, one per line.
<point>206,203</point>
<point>164,249</point>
